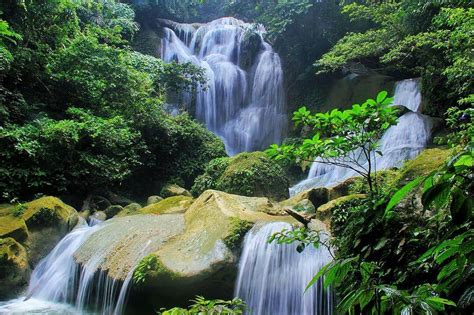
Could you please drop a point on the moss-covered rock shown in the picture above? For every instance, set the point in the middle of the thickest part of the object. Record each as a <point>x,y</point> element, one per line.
<point>153,199</point>
<point>14,268</point>
<point>113,210</point>
<point>171,190</point>
<point>40,224</point>
<point>324,212</point>
<point>318,196</point>
<point>427,161</point>
<point>246,174</point>
<point>175,204</point>
<point>131,209</point>
<point>186,254</point>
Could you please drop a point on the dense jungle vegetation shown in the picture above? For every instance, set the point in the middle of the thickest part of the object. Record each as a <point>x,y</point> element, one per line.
<point>82,111</point>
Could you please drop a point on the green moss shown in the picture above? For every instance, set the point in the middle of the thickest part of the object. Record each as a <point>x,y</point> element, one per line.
<point>426,162</point>
<point>169,205</point>
<point>238,229</point>
<point>151,267</point>
<point>246,174</point>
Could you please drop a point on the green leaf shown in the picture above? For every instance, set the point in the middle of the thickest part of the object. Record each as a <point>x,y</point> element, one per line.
<point>467,298</point>
<point>400,194</point>
<point>461,206</point>
<point>437,193</point>
<point>381,96</point>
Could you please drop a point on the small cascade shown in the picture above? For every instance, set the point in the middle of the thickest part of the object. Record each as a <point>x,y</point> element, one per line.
<point>243,101</point>
<point>400,143</point>
<point>59,285</point>
<point>272,277</point>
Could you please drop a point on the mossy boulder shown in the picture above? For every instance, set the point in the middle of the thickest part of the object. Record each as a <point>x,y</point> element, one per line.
<point>171,190</point>
<point>318,196</point>
<point>324,212</point>
<point>246,174</point>
<point>113,210</point>
<point>39,224</point>
<point>427,161</point>
<point>131,209</point>
<point>175,204</point>
<point>153,199</point>
<point>14,267</point>
<point>189,253</point>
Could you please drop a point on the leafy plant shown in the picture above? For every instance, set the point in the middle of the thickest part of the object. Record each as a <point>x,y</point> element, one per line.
<point>347,139</point>
<point>19,209</point>
<point>209,307</point>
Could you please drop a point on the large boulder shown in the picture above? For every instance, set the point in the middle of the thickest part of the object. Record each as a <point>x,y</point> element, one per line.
<point>39,224</point>
<point>247,174</point>
<point>171,190</point>
<point>175,204</point>
<point>189,253</point>
<point>14,268</point>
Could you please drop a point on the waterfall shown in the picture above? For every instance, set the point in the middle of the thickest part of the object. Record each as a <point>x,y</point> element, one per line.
<point>400,143</point>
<point>272,277</point>
<point>242,103</point>
<point>59,285</point>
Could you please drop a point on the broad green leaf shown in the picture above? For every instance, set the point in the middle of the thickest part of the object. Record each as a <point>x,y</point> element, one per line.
<point>400,194</point>
<point>381,96</point>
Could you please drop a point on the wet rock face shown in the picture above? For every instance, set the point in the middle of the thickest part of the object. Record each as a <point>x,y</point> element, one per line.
<point>188,253</point>
<point>39,225</point>
<point>14,268</point>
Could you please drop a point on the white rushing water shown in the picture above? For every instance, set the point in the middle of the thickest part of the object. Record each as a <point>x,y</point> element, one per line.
<point>272,277</point>
<point>243,104</point>
<point>400,143</point>
<point>58,285</point>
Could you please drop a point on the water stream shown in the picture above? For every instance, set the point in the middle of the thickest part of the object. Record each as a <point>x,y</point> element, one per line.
<point>243,102</point>
<point>58,285</point>
<point>272,277</point>
<point>400,143</point>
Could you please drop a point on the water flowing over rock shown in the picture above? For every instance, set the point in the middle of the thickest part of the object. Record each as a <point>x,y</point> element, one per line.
<point>400,143</point>
<point>243,102</point>
<point>272,277</point>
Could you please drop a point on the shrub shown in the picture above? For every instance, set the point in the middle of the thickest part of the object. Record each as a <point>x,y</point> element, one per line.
<point>247,174</point>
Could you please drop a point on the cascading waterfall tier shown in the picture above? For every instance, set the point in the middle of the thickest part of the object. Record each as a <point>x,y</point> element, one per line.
<point>61,285</point>
<point>400,143</point>
<point>243,101</point>
<point>272,277</point>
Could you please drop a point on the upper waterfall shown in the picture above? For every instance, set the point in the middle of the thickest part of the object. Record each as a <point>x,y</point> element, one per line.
<point>243,101</point>
<point>401,142</point>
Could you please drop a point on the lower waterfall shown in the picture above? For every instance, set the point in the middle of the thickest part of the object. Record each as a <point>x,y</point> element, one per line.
<point>58,285</point>
<point>272,277</point>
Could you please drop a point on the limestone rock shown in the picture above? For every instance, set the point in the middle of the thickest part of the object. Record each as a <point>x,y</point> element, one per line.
<point>318,196</point>
<point>112,211</point>
<point>175,204</point>
<point>153,199</point>
<point>100,215</point>
<point>324,212</point>
<point>131,209</point>
<point>171,190</point>
<point>14,268</point>
<point>191,253</point>
<point>40,224</point>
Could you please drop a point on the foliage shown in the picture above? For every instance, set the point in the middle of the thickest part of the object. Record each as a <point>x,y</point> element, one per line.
<point>97,124</point>
<point>247,174</point>
<point>238,229</point>
<point>148,263</point>
<point>82,152</point>
<point>430,39</point>
<point>346,138</point>
<point>211,307</point>
<point>44,217</point>
<point>19,210</point>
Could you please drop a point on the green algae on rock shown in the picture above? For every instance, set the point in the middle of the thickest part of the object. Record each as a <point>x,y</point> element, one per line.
<point>14,267</point>
<point>246,174</point>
